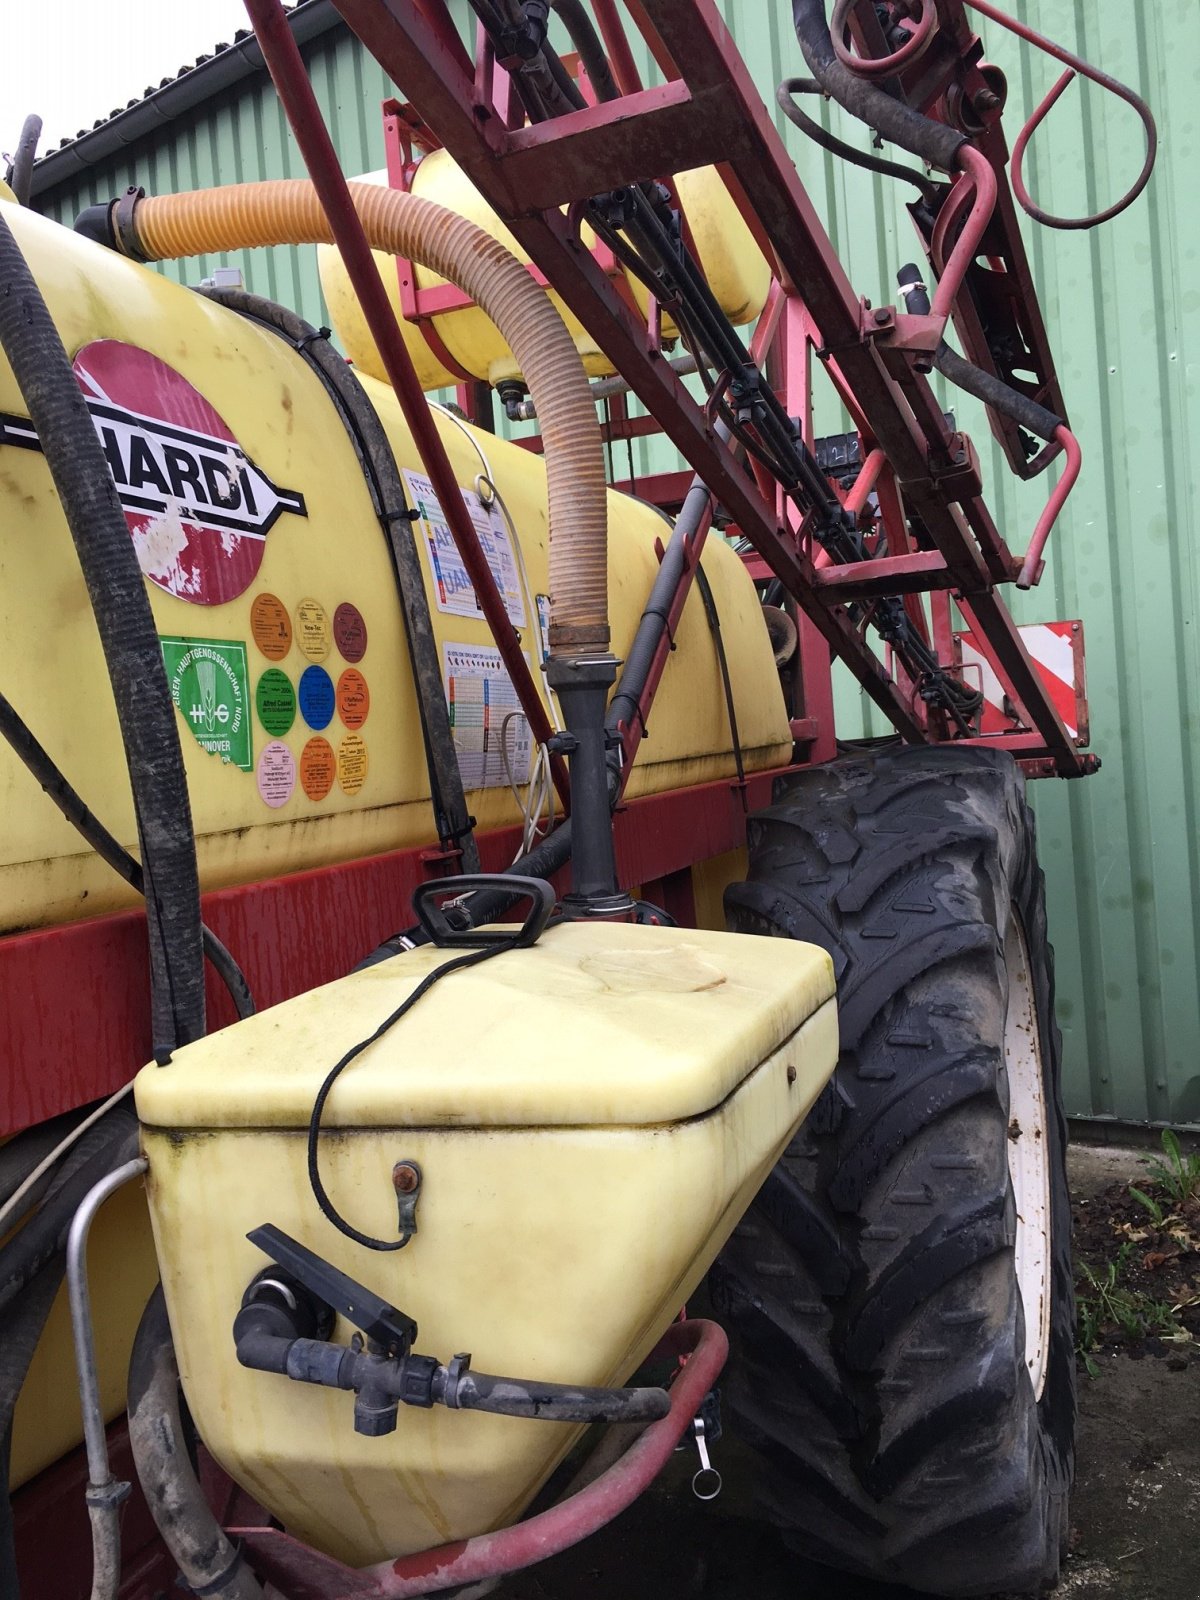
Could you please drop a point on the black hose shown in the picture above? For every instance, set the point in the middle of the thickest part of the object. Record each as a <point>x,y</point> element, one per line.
<point>20,1329</point>
<point>20,173</point>
<point>994,392</point>
<point>933,142</point>
<point>208,1561</point>
<point>452,818</point>
<point>591,51</point>
<point>985,386</point>
<point>129,639</point>
<point>39,762</point>
<point>828,141</point>
<point>105,1145</point>
<point>556,1402</point>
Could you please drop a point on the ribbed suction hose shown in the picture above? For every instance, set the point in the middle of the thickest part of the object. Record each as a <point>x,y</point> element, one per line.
<point>244,216</point>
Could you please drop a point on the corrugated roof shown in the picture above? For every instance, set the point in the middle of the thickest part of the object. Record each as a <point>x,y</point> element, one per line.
<point>160,104</point>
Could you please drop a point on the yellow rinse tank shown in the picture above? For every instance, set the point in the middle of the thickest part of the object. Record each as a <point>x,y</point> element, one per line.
<point>734,268</point>
<point>280,621</point>
<point>591,1117</point>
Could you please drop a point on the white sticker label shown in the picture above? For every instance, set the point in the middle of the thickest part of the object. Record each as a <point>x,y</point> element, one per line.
<point>454,590</point>
<point>485,718</point>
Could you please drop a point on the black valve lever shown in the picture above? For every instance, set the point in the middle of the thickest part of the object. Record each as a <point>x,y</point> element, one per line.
<point>385,1326</point>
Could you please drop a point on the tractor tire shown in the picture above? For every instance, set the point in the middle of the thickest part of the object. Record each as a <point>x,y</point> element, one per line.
<point>880,1290</point>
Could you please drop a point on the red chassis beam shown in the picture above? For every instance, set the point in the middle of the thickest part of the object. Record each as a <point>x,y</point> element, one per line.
<point>74,999</point>
<point>527,174</point>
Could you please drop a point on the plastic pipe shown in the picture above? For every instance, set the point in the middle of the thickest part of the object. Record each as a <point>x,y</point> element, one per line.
<point>285,1561</point>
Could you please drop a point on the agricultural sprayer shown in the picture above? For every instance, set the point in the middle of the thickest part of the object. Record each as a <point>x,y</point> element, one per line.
<point>462,835</point>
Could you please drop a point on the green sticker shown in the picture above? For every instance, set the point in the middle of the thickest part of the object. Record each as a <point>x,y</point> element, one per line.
<point>276,702</point>
<point>210,685</point>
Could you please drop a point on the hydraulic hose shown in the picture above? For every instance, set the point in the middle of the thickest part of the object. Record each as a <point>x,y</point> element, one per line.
<point>591,51</point>
<point>129,639</point>
<point>933,142</point>
<point>837,147</point>
<point>243,216</point>
<point>210,1564</point>
<point>985,386</point>
<point>42,766</point>
<point>20,174</point>
<point>104,1146</point>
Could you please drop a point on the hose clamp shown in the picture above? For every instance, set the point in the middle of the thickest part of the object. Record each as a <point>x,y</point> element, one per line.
<point>124,226</point>
<point>214,1585</point>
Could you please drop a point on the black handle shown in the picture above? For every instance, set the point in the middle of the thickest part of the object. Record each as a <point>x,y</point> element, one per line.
<point>382,1323</point>
<point>443,928</point>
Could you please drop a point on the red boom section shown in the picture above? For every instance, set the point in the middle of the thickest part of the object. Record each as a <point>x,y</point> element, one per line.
<point>538,178</point>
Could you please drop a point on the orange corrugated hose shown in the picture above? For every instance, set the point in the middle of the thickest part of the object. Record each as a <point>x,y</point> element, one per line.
<point>243,216</point>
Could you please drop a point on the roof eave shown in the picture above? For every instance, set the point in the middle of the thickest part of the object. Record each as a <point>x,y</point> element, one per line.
<point>165,105</point>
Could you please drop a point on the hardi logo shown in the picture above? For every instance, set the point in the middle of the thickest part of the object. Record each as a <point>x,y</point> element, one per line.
<point>199,510</point>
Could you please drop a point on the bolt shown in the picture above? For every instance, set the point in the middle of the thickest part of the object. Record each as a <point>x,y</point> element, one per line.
<point>405,1177</point>
<point>791,1074</point>
<point>882,315</point>
<point>986,99</point>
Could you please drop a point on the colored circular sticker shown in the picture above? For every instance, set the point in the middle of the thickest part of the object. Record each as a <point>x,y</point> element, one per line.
<point>353,698</point>
<point>352,763</point>
<point>312,630</point>
<point>350,632</point>
<point>275,700</point>
<point>198,509</point>
<point>318,768</point>
<point>270,626</point>
<point>276,774</point>
<point>316,697</point>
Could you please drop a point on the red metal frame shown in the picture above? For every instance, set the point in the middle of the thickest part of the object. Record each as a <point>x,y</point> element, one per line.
<point>708,110</point>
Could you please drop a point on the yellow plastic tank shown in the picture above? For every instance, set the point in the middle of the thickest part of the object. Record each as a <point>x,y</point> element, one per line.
<point>591,1117</point>
<point>735,268</point>
<point>275,600</point>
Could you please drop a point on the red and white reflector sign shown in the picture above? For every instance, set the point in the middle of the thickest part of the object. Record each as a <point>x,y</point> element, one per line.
<point>1056,649</point>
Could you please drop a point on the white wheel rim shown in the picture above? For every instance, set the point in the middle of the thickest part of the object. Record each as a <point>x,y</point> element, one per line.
<point>1028,1155</point>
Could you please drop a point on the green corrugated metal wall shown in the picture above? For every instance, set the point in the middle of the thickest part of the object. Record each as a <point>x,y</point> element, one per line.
<point>1123,308</point>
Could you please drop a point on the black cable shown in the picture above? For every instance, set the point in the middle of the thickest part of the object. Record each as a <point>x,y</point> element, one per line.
<point>829,141</point>
<point>329,1211</point>
<point>42,766</point>
<point>714,623</point>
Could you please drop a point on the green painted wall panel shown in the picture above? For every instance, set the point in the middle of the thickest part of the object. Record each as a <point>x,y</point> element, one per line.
<point>1123,308</point>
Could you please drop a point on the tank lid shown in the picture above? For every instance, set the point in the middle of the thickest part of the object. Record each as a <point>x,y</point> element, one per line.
<point>597,1024</point>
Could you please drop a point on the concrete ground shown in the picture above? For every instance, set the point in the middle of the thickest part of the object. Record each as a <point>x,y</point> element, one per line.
<point>1135,1512</point>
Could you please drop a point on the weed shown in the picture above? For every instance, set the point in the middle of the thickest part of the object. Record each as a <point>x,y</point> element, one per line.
<point>1179,1175</point>
<point>1104,1303</point>
<point>1158,1213</point>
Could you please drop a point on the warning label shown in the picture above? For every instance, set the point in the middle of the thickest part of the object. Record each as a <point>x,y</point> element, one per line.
<point>210,685</point>
<point>454,590</point>
<point>491,736</point>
